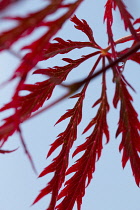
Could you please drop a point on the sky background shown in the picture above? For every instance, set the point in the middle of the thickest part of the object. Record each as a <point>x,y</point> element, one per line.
<point>112,188</point>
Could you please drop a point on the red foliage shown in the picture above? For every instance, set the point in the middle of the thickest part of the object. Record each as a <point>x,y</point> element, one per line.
<point>6,3</point>
<point>129,126</point>
<point>25,106</point>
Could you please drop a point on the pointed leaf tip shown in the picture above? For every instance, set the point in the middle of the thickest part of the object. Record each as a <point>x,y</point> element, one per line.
<point>7,151</point>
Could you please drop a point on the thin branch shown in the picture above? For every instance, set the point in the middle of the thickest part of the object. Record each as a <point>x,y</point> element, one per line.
<point>26,151</point>
<point>134,49</point>
<point>121,40</point>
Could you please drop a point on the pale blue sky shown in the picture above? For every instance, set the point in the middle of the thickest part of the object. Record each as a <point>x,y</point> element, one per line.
<point>112,188</point>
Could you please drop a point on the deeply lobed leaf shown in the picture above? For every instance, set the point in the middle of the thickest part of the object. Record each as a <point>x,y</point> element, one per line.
<point>85,166</point>
<point>129,126</point>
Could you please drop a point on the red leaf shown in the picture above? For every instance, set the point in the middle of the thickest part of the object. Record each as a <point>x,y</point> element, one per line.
<point>84,27</point>
<point>137,21</point>
<point>129,127</point>
<point>108,11</point>
<point>84,167</point>
<point>62,47</point>
<point>125,15</point>
<point>6,3</point>
<point>60,163</point>
<point>26,25</point>
<point>68,114</point>
<point>97,102</point>
<point>7,151</point>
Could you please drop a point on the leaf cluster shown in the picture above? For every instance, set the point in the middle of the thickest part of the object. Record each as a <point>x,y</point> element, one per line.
<point>31,104</point>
